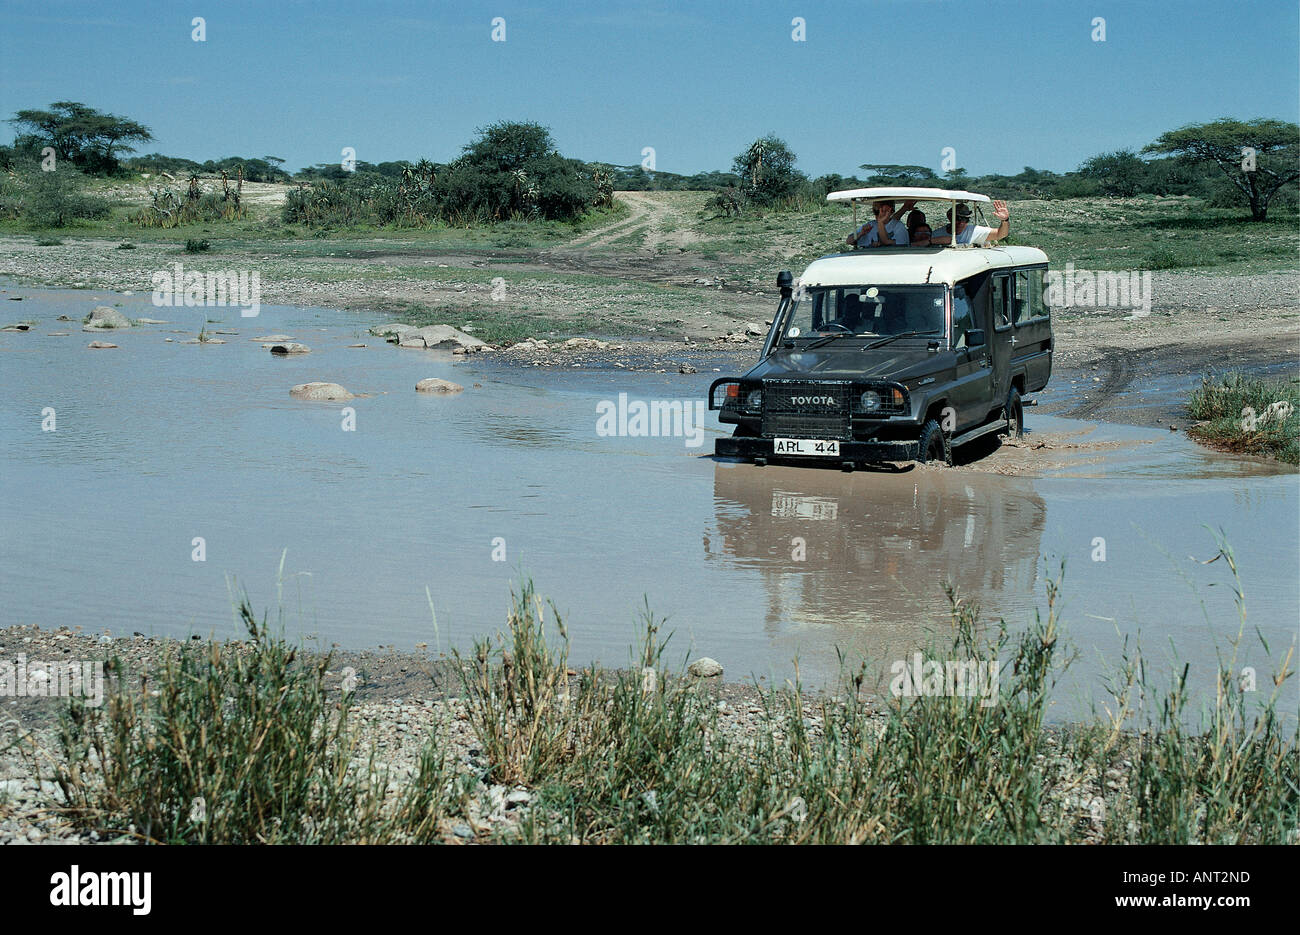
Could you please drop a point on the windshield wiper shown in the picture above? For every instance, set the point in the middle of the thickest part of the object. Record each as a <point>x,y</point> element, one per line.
<point>827,339</point>
<point>894,337</point>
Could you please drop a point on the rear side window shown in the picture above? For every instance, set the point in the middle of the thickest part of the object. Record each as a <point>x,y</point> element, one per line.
<point>1000,298</point>
<point>1029,295</point>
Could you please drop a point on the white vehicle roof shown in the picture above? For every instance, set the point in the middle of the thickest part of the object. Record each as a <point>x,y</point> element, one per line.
<point>914,265</point>
<point>904,194</point>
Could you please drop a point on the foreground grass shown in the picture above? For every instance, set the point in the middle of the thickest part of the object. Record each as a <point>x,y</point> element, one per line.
<point>241,743</point>
<point>1248,415</point>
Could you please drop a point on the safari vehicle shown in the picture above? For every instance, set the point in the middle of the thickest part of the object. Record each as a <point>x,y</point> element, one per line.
<point>890,354</point>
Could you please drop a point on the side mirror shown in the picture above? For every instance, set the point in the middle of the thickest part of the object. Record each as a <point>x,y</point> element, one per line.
<point>975,337</point>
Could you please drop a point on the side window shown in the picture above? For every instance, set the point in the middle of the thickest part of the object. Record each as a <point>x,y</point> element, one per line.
<point>1000,298</point>
<point>962,316</point>
<point>1020,303</point>
<point>1037,306</point>
<point>1029,295</point>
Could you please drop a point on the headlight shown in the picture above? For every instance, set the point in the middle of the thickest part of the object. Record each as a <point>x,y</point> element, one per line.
<point>754,401</point>
<point>870,401</point>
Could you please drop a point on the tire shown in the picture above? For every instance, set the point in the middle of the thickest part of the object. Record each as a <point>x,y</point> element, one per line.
<point>1014,412</point>
<point>933,446</point>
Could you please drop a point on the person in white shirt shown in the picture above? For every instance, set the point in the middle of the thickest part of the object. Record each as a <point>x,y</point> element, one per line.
<point>884,231</point>
<point>974,233</point>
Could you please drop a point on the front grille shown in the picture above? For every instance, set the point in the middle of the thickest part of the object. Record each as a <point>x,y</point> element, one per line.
<point>807,410</point>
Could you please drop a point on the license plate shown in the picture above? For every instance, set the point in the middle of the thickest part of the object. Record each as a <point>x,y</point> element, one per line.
<point>796,506</point>
<point>805,446</point>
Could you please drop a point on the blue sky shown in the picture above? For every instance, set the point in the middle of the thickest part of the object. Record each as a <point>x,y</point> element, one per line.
<point>697,82</point>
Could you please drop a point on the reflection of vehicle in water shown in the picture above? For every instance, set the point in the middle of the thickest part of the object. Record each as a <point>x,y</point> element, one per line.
<point>894,353</point>
<point>868,555</point>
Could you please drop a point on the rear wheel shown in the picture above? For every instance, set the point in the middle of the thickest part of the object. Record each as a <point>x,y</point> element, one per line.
<point>933,445</point>
<point>1014,413</point>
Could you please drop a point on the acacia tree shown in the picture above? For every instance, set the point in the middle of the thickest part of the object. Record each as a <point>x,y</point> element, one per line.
<point>85,137</point>
<point>1273,145</point>
<point>889,174</point>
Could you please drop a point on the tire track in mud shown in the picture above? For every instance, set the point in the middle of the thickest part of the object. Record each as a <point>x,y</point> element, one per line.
<point>1119,374</point>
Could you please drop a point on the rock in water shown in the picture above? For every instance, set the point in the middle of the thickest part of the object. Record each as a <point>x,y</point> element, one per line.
<point>319,391</point>
<point>586,344</point>
<point>102,317</point>
<point>392,331</point>
<point>434,385</point>
<point>442,337</point>
<point>289,347</point>
<point>100,344</point>
<point>705,668</point>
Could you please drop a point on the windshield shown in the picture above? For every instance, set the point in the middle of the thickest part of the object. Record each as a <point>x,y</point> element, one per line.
<point>868,311</point>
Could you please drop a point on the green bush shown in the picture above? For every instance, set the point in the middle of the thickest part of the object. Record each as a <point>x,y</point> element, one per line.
<point>46,200</point>
<point>167,209</point>
<point>510,172</point>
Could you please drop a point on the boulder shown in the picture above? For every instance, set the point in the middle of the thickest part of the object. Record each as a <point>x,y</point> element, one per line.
<point>435,385</point>
<point>289,347</point>
<point>446,337</point>
<point>705,668</point>
<point>585,344</point>
<point>102,317</point>
<point>319,391</point>
<point>391,331</point>
<point>17,326</point>
<point>754,328</point>
<point>99,344</point>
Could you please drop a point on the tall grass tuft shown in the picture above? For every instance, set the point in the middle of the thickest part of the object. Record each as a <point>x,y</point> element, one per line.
<point>517,693</point>
<point>1248,415</point>
<point>1232,779</point>
<point>237,744</point>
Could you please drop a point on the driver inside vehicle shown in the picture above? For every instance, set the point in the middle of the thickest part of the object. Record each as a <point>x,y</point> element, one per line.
<point>852,315</point>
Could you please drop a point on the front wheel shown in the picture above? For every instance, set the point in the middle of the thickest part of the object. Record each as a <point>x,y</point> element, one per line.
<point>933,445</point>
<point>1014,413</point>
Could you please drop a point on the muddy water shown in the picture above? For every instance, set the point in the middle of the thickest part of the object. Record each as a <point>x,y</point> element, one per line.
<point>159,444</point>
